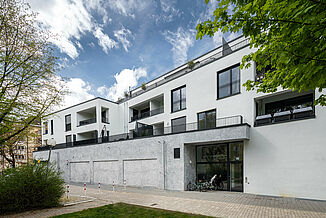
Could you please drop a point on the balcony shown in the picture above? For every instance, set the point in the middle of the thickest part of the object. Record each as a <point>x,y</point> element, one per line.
<point>285,107</point>
<point>87,122</point>
<point>147,114</point>
<point>148,108</point>
<point>153,130</point>
<point>86,117</point>
<point>228,128</point>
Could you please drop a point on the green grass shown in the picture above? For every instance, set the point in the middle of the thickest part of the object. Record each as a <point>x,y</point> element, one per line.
<point>127,210</point>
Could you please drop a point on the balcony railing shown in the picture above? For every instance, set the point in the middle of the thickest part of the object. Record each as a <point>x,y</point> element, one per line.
<point>149,131</point>
<point>285,116</point>
<point>105,120</point>
<point>183,71</point>
<point>147,114</point>
<point>87,122</point>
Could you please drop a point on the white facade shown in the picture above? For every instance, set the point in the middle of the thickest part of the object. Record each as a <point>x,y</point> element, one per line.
<point>281,158</point>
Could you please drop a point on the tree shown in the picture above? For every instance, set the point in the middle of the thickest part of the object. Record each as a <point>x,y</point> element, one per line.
<point>289,36</point>
<point>29,85</point>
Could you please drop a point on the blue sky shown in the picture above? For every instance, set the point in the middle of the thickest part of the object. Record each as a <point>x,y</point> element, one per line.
<point>107,46</point>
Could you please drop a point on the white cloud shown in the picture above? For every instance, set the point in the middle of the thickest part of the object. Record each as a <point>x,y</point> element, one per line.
<point>181,41</point>
<point>103,90</point>
<point>126,79</point>
<point>217,38</point>
<point>104,40</point>
<point>129,7</point>
<point>122,36</point>
<point>66,19</point>
<point>168,11</point>
<point>78,92</point>
<point>69,20</point>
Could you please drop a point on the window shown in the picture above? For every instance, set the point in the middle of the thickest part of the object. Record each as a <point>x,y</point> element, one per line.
<point>68,122</point>
<point>178,125</point>
<point>228,82</point>
<point>176,153</point>
<point>68,140</point>
<point>51,127</point>
<point>45,128</point>
<point>207,119</point>
<point>178,100</point>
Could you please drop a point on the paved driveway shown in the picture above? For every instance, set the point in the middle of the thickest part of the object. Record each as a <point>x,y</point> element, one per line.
<point>219,204</point>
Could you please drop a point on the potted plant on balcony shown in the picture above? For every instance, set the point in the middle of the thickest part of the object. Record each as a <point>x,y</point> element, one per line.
<point>126,94</point>
<point>143,86</point>
<point>191,64</point>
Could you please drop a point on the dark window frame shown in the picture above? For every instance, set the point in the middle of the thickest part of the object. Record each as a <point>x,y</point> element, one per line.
<point>51,127</point>
<point>205,118</point>
<point>67,125</point>
<point>178,125</point>
<point>176,153</point>
<point>69,142</point>
<point>180,100</point>
<point>230,72</point>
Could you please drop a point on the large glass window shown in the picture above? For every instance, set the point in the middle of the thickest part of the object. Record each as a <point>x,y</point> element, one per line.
<point>223,160</point>
<point>207,119</point>
<point>68,122</point>
<point>178,99</point>
<point>212,153</point>
<point>228,82</point>
<point>45,128</point>
<point>178,125</point>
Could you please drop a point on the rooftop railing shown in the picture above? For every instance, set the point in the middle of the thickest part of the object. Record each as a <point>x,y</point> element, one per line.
<point>149,131</point>
<point>199,64</point>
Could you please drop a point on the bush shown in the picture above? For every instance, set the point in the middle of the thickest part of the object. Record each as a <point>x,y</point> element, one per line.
<point>29,187</point>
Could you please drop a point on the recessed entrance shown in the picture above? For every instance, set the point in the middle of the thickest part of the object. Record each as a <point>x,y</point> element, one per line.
<point>224,160</point>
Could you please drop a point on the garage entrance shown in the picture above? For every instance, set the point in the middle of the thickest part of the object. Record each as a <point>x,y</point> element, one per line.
<point>141,173</point>
<point>224,160</point>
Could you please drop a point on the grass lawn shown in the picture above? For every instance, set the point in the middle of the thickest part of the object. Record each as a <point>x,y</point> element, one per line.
<point>127,210</point>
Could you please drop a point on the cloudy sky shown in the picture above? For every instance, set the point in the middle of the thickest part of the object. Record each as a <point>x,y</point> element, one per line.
<point>107,46</point>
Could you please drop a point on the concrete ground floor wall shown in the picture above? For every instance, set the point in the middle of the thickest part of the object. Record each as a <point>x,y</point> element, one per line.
<point>276,162</point>
<point>143,162</point>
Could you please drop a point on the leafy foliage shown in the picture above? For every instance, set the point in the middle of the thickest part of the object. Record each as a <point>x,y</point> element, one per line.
<point>288,35</point>
<point>29,87</point>
<point>30,187</point>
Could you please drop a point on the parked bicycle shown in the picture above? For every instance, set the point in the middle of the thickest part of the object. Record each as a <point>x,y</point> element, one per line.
<point>215,183</point>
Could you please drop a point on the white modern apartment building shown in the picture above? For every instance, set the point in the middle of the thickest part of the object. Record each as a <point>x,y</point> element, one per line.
<point>190,124</point>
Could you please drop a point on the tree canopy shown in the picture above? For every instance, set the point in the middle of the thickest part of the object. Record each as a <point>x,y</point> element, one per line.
<point>289,37</point>
<point>29,87</point>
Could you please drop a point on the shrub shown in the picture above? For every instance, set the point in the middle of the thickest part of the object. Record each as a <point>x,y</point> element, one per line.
<point>29,187</point>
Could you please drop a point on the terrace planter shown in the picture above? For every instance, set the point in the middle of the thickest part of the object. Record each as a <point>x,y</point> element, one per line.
<point>302,112</point>
<point>263,119</point>
<point>282,116</point>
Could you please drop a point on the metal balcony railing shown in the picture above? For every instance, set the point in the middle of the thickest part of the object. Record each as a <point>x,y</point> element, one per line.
<point>87,122</point>
<point>147,114</point>
<point>149,130</point>
<point>185,70</point>
<point>105,120</point>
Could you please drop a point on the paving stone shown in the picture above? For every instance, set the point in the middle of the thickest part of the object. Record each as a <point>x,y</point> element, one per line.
<point>219,204</point>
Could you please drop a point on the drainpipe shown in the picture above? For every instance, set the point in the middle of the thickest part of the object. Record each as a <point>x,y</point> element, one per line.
<point>164,163</point>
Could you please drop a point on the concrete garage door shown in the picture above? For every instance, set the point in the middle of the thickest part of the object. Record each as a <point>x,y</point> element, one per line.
<point>106,172</point>
<point>141,172</point>
<point>80,171</point>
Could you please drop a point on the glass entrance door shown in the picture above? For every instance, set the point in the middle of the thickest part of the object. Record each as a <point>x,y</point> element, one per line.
<point>236,179</point>
<point>223,160</point>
